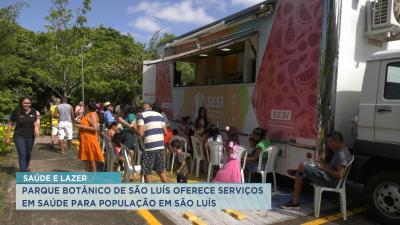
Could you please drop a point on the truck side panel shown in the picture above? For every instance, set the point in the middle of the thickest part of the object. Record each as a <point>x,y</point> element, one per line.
<point>368,102</point>
<point>285,95</point>
<point>149,82</point>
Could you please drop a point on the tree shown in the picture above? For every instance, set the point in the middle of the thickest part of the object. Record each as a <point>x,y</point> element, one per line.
<point>11,12</point>
<point>116,63</point>
<point>155,42</point>
<point>186,69</point>
<point>14,79</point>
<point>58,67</point>
<point>44,63</point>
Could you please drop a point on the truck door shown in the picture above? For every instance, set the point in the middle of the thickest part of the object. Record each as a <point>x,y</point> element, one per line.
<point>387,109</point>
<point>149,82</point>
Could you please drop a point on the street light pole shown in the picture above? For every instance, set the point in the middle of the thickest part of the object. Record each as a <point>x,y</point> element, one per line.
<point>88,46</point>
<point>83,79</point>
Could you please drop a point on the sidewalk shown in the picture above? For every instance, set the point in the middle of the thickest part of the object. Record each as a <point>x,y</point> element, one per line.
<point>329,205</point>
<point>45,158</point>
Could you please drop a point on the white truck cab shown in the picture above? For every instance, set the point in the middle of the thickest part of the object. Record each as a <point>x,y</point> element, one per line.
<point>377,148</point>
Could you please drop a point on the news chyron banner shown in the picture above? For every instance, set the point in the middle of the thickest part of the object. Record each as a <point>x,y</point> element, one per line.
<point>101,191</point>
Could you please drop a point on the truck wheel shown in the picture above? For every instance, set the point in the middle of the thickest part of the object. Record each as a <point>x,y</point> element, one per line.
<point>383,197</point>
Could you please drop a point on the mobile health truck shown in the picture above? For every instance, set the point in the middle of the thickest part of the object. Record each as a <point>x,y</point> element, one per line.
<point>299,69</point>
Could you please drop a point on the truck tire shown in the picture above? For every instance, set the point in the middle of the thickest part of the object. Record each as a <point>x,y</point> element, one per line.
<point>383,197</point>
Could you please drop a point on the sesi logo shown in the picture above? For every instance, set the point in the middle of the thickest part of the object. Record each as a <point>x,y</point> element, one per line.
<point>215,102</point>
<point>281,114</point>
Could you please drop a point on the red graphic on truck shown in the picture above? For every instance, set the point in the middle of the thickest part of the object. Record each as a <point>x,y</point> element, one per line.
<point>287,80</point>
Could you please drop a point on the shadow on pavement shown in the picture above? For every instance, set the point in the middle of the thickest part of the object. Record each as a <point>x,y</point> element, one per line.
<point>48,147</point>
<point>58,170</point>
<point>9,170</point>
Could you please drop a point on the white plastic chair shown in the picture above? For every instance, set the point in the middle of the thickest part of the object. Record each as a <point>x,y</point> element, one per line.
<point>198,155</point>
<point>187,155</point>
<point>138,151</point>
<point>242,156</point>
<point>128,168</point>
<point>340,188</point>
<point>214,157</point>
<point>102,139</point>
<point>110,154</point>
<point>272,152</point>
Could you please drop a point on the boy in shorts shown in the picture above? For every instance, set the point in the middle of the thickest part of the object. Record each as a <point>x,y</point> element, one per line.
<point>182,171</point>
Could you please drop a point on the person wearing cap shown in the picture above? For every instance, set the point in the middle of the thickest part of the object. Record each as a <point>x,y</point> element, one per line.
<point>108,116</point>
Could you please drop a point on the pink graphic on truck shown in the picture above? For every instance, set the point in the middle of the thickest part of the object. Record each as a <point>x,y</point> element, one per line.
<point>285,95</point>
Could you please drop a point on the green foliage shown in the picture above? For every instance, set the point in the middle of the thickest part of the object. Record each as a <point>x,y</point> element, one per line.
<point>166,38</point>
<point>3,147</point>
<point>151,48</point>
<point>62,18</point>
<point>114,66</point>
<point>14,60</point>
<point>187,69</point>
<point>7,104</point>
<point>45,128</point>
<point>39,64</point>
<point>58,66</point>
<point>187,72</point>
<point>155,42</point>
<point>11,12</point>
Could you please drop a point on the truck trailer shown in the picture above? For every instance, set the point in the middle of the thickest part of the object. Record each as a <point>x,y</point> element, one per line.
<point>299,69</point>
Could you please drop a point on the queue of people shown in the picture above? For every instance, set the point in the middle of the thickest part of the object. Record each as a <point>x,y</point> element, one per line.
<point>205,132</point>
<point>126,128</point>
<point>151,125</point>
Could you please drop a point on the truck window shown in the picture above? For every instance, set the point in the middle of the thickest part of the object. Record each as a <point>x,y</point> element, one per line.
<point>392,85</point>
<point>232,63</point>
<point>183,73</point>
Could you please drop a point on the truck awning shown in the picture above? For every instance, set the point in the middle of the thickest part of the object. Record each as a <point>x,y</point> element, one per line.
<point>222,42</point>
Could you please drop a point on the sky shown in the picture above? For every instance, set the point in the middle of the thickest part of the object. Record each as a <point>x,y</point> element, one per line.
<point>140,18</point>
